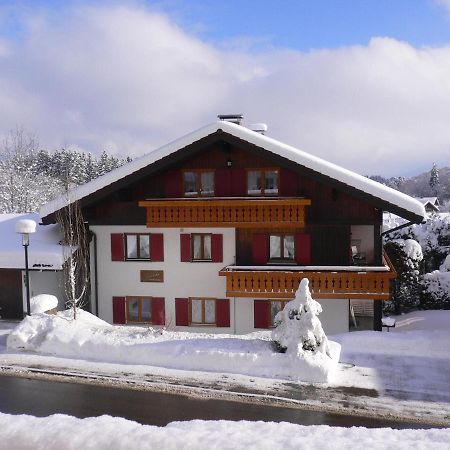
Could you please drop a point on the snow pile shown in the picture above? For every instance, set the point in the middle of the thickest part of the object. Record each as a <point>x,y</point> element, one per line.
<point>90,338</point>
<point>413,250</point>
<point>299,333</point>
<point>43,303</point>
<point>57,432</point>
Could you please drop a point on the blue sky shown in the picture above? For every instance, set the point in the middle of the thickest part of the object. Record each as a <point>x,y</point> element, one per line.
<point>298,24</point>
<point>363,83</point>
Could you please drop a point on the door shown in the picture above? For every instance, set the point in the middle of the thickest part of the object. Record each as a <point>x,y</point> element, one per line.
<point>11,294</point>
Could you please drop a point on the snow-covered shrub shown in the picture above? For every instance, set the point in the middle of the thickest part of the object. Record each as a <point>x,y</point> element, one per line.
<point>297,328</point>
<point>436,290</point>
<point>406,255</point>
<point>436,287</point>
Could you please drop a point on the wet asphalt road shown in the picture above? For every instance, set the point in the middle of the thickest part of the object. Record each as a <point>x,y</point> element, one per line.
<point>42,398</point>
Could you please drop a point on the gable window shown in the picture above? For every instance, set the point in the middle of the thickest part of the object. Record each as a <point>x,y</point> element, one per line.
<point>201,247</point>
<point>202,311</point>
<point>137,246</point>
<point>139,309</point>
<point>262,182</point>
<point>198,183</point>
<point>282,247</point>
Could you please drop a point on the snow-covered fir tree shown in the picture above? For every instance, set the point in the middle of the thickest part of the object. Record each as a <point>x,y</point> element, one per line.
<point>434,179</point>
<point>298,329</point>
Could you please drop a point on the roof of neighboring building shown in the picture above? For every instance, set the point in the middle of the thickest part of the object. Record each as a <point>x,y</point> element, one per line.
<point>391,199</point>
<point>432,202</point>
<point>44,251</point>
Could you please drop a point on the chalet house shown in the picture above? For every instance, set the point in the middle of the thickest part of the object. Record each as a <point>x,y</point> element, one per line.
<point>214,231</point>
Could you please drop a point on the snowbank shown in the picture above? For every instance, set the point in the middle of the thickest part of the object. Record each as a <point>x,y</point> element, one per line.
<point>66,432</point>
<point>42,303</point>
<point>90,338</point>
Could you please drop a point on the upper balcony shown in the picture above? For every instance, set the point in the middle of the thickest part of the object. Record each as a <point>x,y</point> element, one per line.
<point>226,212</point>
<point>353,282</point>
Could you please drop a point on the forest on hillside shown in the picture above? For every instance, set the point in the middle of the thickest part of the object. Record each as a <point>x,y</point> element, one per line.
<point>433,183</point>
<point>31,176</point>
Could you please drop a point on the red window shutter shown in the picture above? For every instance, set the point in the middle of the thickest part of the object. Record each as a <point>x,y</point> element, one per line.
<point>185,245</point>
<point>156,247</point>
<point>117,247</point>
<point>158,311</point>
<point>238,182</point>
<point>261,313</point>
<point>288,183</point>
<point>222,183</point>
<point>217,248</point>
<point>303,249</point>
<point>119,313</point>
<point>182,311</point>
<point>260,248</point>
<point>223,312</point>
<point>173,184</point>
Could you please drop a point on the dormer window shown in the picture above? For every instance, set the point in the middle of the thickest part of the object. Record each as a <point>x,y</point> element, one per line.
<point>262,182</point>
<point>198,183</point>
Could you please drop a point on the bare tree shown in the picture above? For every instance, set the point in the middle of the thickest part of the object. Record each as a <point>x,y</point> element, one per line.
<point>76,266</point>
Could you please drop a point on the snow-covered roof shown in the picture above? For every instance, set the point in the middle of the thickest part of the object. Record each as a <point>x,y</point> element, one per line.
<point>44,251</point>
<point>431,201</point>
<point>312,162</point>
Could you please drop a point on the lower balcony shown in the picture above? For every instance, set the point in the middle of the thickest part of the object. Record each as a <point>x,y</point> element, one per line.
<point>351,282</point>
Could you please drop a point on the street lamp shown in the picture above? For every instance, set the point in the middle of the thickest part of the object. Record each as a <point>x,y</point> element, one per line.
<point>25,227</point>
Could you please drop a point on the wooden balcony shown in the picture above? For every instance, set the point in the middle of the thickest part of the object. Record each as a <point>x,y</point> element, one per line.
<point>324,282</point>
<point>216,212</point>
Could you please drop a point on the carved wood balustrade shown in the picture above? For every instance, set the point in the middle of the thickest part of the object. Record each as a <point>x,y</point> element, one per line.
<point>214,212</point>
<point>365,283</point>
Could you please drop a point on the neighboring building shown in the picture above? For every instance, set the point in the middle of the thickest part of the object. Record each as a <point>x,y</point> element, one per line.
<point>431,204</point>
<point>45,256</point>
<point>214,231</point>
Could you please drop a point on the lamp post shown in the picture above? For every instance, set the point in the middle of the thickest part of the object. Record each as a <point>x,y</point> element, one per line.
<point>25,227</point>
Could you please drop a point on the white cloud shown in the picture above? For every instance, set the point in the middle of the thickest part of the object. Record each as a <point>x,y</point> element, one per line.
<point>128,79</point>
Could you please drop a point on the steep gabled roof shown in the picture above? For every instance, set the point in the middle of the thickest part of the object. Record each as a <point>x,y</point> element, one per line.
<point>384,197</point>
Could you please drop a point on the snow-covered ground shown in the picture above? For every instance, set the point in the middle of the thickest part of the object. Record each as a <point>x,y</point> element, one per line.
<point>404,373</point>
<point>66,432</point>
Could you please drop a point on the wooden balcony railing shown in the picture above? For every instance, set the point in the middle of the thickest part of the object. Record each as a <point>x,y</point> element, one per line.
<point>355,282</point>
<point>214,212</point>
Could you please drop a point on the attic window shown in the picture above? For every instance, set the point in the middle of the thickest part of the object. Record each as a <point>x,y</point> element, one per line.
<point>198,183</point>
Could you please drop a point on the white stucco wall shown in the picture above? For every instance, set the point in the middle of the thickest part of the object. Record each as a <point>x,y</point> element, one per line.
<point>365,234</point>
<point>44,282</point>
<point>181,279</point>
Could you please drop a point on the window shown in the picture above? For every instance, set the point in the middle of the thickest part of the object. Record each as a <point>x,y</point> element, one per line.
<point>139,309</point>
<point>202,311</point>
<point>137,246</point>
<point>262,182</point>
<point>198,183</point>
<point>275,307</point>
<point>201,247</point>
<point>282,247</point>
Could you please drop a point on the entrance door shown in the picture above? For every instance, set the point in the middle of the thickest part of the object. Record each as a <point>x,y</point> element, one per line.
<point>11,306</point>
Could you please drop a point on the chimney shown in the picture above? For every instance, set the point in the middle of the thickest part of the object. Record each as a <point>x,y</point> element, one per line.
<point>233,118</point>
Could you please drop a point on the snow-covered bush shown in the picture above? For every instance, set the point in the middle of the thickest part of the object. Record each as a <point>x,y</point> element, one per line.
<point>297,328</point>
<point>436,287</point>
<point>406,255</point>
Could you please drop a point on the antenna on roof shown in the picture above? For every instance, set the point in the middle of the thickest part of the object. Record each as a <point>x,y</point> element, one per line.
<point>233,118</point>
